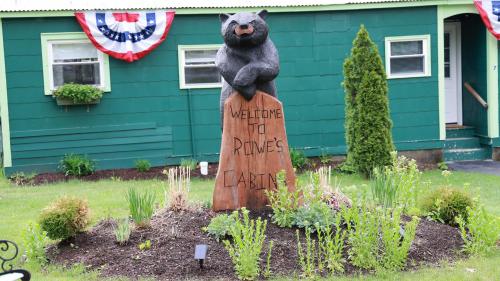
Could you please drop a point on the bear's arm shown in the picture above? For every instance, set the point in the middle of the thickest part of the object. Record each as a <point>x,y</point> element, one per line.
<point>226,69</point>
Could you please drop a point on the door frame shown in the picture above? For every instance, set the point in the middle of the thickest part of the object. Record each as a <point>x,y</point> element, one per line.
<point>456,25</point>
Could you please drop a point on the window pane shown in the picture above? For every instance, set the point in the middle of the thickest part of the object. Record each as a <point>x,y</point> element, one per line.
<point>407,48</point>
<point>75,52</point>
<point>200,57</point>
<point>76,73</point>
<point>407,65</point>
<point>201,75</point>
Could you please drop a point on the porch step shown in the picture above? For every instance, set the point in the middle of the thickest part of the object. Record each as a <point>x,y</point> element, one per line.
<point>462,132</point>
<point>467,154</point>
<point>458,143</point>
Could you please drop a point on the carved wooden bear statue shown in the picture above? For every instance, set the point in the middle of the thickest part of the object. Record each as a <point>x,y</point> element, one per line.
<point>248,61</point>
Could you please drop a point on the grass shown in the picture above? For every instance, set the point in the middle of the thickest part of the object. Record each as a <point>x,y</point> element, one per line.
<point>21,205</point>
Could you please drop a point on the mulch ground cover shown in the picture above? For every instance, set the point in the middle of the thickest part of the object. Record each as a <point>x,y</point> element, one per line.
<point>173,237</point>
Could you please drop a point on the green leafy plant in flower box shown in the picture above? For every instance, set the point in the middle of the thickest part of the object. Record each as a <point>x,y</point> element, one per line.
<point>75,94</point>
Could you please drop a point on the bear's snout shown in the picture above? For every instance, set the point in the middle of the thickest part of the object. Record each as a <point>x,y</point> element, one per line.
<point>243,29</point>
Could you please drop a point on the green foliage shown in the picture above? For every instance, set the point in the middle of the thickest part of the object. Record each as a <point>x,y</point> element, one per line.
<point>78,93</point>
<point>442,166</point>
<point>21,178</point>
<point>362,236</point>
<point>189,163</point>
<point>267,271</point>
<point>331,245</point>
<point>325,158</point>
<point>480,232</point>
<point>122,231</point>
<point>367,123</point>
<point>141,206</point>
<point>76,165</point>
<point>248,239</point>
<point>396,185</point>
<point>307,260</point>
<point>219,226</point>
<point>283,202</point>
<point>142,165</point>
<point>445,204</point>
<point>395,246</point>
<point>64,218</point>
<point>317,215</point>
<point>299,159</point>
<point>35,240</point>
<point>144,246</point>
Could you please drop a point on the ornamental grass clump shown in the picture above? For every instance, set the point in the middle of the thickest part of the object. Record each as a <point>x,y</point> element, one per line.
<point>64,218</point>
<point>122,231</point>
<point>367,123</point>
<point>480,232</point>
<point>179,182</point>
<point>247,241</point>
<point>78,93</point>
<point>141,206</point>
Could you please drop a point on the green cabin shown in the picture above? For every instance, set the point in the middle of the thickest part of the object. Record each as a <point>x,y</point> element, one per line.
<point>165,106</point>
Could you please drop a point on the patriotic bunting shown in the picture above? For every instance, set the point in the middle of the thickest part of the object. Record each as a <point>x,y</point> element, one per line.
<point>490,13</point>
<point>127,36</point>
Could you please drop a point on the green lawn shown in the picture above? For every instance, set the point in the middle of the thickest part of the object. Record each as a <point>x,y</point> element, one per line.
<point>21,205</point>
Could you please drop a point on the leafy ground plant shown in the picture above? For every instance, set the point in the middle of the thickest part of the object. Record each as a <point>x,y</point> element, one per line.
<point>283,202</point>
<point>122,231</point>
<point>307,256</point>
<point>35,240</point>
<point>142,165</point>
<point>331,245</point>
<point>141,206</point>
<point>220,225</point>
<point>299,159</point>
<point>76,165</point>
<point>248,240</point>
<point>21,178</point>
<point>480,232</point>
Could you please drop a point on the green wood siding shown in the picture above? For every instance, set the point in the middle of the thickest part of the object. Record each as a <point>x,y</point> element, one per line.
<point>312,48</point>
<point>474,72</point>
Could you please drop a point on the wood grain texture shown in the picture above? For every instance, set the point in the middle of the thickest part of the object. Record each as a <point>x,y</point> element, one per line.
<point>254,149</point>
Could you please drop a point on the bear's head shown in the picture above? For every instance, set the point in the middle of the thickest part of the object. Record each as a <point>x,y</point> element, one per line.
<point>244,29</point>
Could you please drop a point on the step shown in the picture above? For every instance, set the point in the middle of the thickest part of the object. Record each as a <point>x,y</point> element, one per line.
<point>467,154</point>
<point>457,143</point>
<point>463,132</point>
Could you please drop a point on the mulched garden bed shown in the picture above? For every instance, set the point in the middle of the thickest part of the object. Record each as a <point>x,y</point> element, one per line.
<point>174,235</point>
<point>122,174</point>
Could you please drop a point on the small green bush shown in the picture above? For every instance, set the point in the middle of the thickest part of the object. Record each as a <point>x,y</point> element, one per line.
<point>363,236</point>
<point>141,206</point>
<point>189,163</point>
<point>317,215</point>
<point>298,158</point>
<point>76,165</point>
<point>480,232</point>
<point>78,93</point>
<point>64,218</point>
<point>122,231</point>
<point>219,226</point>
<point>35,240</point>
<point>248,240</point>
<point>445,204</point>
<point>283,202</point>
<point>142,165</point>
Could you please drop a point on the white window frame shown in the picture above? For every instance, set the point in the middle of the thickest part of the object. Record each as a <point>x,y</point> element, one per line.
<point>182,58</point>
<point>49,39</point>
<point>426,49</point>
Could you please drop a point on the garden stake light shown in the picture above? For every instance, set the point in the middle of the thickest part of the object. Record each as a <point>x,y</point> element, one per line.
<point>200,253</point>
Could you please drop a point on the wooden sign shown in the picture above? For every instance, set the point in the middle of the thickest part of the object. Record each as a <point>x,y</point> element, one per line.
<point>254,149</point>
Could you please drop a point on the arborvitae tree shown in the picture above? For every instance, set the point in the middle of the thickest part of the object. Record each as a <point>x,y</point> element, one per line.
<point>367,124</point>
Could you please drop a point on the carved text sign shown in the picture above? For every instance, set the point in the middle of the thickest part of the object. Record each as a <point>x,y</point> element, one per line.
<point>254,149</point>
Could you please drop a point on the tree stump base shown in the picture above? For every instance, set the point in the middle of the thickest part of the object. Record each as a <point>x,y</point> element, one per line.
<point>254,149</point>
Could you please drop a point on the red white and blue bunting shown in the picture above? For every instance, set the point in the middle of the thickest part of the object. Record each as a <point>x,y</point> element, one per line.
<point>127,36</point>
<point>490,13</point>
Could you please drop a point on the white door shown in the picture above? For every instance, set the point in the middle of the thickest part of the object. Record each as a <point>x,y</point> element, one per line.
<point>453,72</point>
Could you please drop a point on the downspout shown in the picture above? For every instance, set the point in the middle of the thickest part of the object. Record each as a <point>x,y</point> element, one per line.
<point>191,127</point>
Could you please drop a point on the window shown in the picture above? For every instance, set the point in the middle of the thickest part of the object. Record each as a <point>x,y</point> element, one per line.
<point>407,56</point>
<point>197,67</point>
<point>71,58</point>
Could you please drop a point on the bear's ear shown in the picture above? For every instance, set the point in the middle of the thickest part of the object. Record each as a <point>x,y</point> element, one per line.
<point>262,14</point>
<point>223,17</point>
